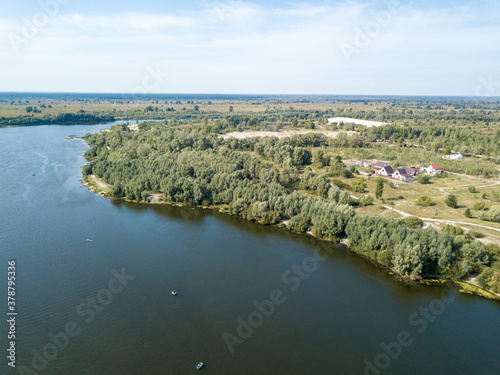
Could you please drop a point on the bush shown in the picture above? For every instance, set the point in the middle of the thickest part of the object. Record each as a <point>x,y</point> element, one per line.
<point>413,222</point>
<point>493,215</point>
<point>451,201</point>
<point>479,206</point>
<point>475,234</point>
<point>472,189</point>
<point>467,213</point>
<point>341,185</point>
<point>359,185</point>
<point>424,200</point>
<point>423,179</point>
<point>454,231</point>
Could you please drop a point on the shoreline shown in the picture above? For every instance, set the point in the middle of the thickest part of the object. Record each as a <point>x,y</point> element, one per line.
<point>465,286</point>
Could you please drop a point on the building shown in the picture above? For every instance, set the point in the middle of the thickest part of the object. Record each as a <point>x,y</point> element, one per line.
<point>410,170</point>
<point>385,171</point>
<point>455,156</point>
<point>379,165</point>
<point>402,175</point>
<point>434,169</point>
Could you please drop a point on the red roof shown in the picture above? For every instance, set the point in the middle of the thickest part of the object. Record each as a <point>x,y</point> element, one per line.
<point>436,166</point>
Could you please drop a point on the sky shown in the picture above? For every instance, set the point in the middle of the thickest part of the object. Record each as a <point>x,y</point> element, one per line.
<point>327,47</point>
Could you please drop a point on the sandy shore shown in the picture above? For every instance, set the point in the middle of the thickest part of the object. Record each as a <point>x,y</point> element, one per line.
<point>283,134</point>
<point>348,120</point>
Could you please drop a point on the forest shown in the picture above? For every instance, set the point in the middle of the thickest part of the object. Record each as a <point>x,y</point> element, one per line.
<point>273,181</point>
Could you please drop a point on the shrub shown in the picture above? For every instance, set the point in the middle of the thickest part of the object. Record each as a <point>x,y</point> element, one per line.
<point>493,215</point>
<point>479,206</point>
<point>451,201</point>
<point>472,189</point>
<point>454,231</point>
<point>467,213</point>
<point>475,234</point>
<point>424,200</point>
<point>423,179</point>
<point>413,222</point>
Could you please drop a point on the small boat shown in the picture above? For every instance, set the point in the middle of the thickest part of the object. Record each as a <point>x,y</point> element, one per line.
<point>174,293</point>
<point>200,365</point>
<point>34,174</point>
<point>89,240</point>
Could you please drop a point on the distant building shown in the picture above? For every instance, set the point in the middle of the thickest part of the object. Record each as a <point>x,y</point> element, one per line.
<point>385,171</point>
<point>434,169</point>
<point>411,170</point>
<point>379,165</point>
<point>454,156</point>
<point>402,175</point>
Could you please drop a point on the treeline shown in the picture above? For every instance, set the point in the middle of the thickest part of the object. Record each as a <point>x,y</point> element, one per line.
<point>192,165</point>
<point>61,118</point>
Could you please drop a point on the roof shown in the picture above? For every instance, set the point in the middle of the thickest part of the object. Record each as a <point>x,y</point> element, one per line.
<point>380,164</point>
<point>403,173</point>
<point>436,166</point>
<point>389,170</point>
<point>408,170</point>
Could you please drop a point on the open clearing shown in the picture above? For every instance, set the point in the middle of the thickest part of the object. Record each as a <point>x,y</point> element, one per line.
<point>283,134</point>
<point>348,120</point>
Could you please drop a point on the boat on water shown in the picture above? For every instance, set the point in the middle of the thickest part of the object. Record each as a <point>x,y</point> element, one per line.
<point>174,293</point>
<point>200,365</point>
<point>89,240</point>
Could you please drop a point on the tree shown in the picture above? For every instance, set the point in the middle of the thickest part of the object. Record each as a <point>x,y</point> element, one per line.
<point>423,179</point>
<point>451,201</point>
<point>413,222</point>
<point>196,107</point>
<point>379,190</point>
<point>29,109</point>
<point>231,109</point>
<point>467,213</point>
<point>424,200</point>
<point>359,185</point>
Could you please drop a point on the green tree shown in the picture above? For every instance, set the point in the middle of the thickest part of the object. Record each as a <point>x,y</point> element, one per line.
<point>423,179</point>
<point>467,213</point>
<point>359,185</point>
<point>379,190</point>
<point>29,109</point>
<point>424,200</point>
<point>413,222</point>
<point>451,201</point>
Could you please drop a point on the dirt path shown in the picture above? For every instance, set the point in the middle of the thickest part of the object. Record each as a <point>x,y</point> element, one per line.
<point>100,182</point>
<point>442,190</point>
<point>405,214</point>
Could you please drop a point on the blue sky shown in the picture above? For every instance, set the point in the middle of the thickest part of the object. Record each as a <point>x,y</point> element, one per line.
<point>388,47</point>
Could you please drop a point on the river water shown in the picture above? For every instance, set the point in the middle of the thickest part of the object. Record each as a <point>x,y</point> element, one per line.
<point>251,299</point>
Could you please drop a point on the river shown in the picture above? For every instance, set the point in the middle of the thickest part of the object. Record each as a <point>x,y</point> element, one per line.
<point>251,299</point>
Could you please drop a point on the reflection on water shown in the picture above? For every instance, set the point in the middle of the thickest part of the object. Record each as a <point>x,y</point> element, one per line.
<point>334,315</point>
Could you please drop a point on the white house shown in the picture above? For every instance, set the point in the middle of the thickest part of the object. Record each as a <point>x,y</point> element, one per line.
<point>456,156</point>
<point>402,175</point>
<point>434,169</point>
<point>385,171</point>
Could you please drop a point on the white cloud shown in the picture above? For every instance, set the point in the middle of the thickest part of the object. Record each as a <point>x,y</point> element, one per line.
<point>241,47</point>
